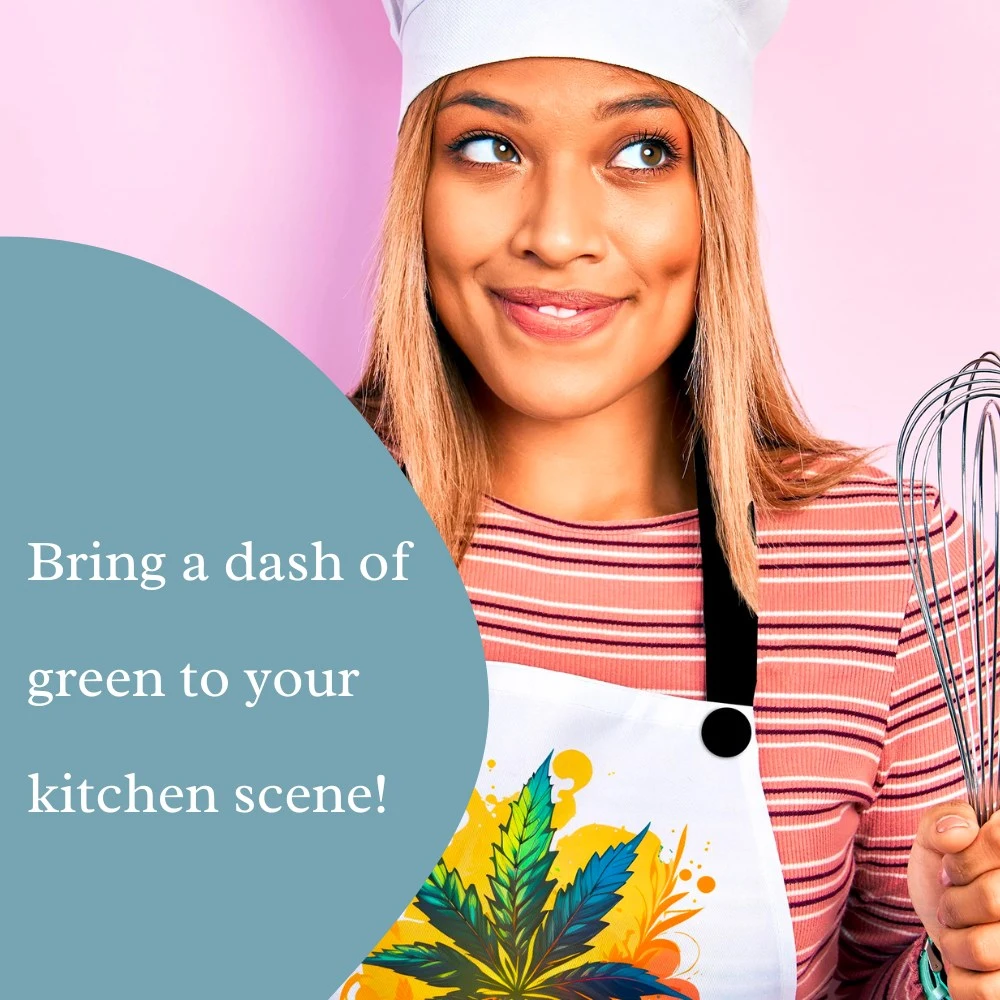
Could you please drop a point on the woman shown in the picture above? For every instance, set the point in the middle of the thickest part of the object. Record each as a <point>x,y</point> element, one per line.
<point>572,352</point>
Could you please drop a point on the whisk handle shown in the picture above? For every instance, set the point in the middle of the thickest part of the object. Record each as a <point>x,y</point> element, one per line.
<point>932,979</point>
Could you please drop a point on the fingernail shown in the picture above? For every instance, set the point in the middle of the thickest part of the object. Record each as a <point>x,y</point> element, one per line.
<point>947,823</point>
<point>943,878</point>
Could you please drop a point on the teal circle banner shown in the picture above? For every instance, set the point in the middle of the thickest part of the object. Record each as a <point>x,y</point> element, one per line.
<point>243,694</point>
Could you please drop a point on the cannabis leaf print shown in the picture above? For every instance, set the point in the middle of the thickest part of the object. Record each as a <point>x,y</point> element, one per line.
<point>511,947</point>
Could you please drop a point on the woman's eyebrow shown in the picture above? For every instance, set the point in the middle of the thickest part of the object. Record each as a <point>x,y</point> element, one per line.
<point>636,102</point>
<point>475,99</point>
<point>607,109</point>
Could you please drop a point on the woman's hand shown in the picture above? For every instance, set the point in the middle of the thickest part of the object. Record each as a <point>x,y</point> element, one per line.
<point>954,882</point>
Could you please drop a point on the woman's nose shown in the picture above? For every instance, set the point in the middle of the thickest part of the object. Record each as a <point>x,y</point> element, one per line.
<point>562,215</point>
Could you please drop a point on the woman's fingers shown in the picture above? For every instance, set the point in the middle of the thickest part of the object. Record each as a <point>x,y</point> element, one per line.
<point>948,828</point>
<point>968,908</point>
<point>975,949</point>
<point>972,904</point>
<point>981,856</point>
<point>964,984</point>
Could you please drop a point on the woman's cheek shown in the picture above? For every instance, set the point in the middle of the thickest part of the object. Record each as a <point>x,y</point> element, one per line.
<point>465,225</point>
<point>664,250</point>
<point>659,236</point>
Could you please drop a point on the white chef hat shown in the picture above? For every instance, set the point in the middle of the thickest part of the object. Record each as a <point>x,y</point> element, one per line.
<point>706,46</point>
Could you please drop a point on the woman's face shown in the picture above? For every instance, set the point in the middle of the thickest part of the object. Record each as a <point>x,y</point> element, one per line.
<point>562,230</point>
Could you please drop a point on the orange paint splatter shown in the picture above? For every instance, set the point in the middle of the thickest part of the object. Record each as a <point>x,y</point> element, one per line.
<point>683,986</point>
<point>665,959</point>
<point>706,883</point>
<point>684,873</point>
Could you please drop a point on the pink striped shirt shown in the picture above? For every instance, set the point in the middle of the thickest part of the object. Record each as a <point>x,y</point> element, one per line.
<point>854,736</point>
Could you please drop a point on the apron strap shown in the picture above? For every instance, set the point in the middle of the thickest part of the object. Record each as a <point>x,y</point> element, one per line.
<point>730,623</point>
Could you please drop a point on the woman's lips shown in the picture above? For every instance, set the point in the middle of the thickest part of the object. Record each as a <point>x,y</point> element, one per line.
<point>566,315</point>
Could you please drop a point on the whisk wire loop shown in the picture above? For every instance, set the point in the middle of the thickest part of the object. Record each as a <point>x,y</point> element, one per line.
<point>949,447</point>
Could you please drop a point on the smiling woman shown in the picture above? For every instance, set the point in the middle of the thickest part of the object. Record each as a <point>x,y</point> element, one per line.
<point>573,360</point>
<point>540,166</point>
<point>567,166</point>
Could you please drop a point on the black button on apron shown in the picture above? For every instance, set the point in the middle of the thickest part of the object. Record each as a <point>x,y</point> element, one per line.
<point>726,732</point>
<point>730,632</point>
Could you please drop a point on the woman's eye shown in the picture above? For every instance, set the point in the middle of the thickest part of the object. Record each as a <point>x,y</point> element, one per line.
<point>489,150</point>
<point>644,155</point>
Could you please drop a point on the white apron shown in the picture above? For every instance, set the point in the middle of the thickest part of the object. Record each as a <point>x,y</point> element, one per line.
<point>617,845</point>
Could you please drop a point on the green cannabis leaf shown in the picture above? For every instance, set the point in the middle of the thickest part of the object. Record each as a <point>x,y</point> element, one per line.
<point>518,949</point>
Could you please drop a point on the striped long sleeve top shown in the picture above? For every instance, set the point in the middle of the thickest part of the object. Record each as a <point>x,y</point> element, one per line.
<point>855,741</point>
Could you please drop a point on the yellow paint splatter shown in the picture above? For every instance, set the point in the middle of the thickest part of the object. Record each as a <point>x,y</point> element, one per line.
<point>491,763</point>
<point>575,766</point>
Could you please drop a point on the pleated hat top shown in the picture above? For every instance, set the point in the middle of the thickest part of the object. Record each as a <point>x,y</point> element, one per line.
<point>707,46</point>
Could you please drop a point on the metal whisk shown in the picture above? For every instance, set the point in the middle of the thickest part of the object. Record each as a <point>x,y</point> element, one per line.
<point>947,460</point>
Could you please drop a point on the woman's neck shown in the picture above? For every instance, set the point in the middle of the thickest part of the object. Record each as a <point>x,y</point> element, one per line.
<point>624,462</point>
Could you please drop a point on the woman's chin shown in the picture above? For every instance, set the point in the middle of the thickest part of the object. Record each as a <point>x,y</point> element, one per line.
<point>555,406</point>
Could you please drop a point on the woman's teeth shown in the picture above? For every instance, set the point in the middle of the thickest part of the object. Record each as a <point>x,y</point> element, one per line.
<point>557,311</point>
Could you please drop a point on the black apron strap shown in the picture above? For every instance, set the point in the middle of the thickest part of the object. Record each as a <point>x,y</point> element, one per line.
<point>730,631</point>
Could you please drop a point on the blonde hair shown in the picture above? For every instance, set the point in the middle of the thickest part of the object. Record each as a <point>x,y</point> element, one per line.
<point>758,444</point>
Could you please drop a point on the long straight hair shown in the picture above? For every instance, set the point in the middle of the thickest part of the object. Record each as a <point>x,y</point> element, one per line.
<point>758,444</point>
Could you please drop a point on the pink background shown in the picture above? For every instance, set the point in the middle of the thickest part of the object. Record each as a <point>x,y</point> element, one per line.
<point>246,144</point>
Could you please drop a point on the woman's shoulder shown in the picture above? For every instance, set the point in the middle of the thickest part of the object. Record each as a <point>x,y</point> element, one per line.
<point>845,548</point>
<point>863,504</point>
